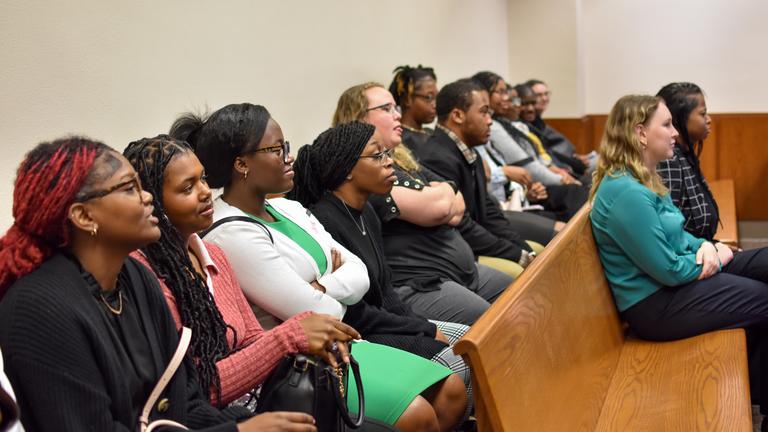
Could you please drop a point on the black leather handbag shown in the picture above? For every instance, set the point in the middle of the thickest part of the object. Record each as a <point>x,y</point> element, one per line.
<point>308,384</point>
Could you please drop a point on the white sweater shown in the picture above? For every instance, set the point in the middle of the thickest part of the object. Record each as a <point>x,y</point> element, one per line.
<point>276,277</point>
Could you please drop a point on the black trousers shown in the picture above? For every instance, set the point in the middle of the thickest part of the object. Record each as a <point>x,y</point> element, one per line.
<point>735,298</point>
<point>565,200</point>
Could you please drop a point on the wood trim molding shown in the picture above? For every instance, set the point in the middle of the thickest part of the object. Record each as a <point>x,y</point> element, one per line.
<point>734,150</point>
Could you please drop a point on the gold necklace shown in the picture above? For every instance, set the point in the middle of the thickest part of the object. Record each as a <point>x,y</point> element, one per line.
<point>119,309</point>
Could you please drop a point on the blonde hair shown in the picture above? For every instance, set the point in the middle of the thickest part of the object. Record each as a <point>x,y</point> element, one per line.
<point>620,147</point>
<point>353,105</point>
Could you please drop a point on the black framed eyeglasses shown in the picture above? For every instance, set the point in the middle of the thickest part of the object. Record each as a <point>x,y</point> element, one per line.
<point>387,107</point>
<point>281,150</point>
<point>380,156</point>
<point>134,184</point>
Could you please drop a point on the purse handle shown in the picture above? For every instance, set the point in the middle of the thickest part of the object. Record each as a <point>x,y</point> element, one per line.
<point>342,404</point>
<point>173,365</point>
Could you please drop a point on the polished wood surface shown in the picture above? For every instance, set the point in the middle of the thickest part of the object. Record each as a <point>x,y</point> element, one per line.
<point>735,150</point>
<point>550,350</point>
<point>695,384</point>
<point>724,193</point>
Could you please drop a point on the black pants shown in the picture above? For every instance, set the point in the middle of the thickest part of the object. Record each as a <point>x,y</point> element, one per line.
<point>735,298</point>
<point>532,226</point>
<point>565,200</point>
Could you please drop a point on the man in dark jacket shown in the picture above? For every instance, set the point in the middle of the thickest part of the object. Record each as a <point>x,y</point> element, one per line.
<point>464,120</point>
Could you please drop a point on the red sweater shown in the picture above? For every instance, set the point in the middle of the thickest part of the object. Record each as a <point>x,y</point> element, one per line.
<point>259,351</point>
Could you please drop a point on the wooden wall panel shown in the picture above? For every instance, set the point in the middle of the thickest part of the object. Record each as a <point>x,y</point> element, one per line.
<point>735,149</point>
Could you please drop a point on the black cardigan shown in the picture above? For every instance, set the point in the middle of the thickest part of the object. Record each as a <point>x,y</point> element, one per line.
<point>484,226</point>
<point>60,353</point>
<point>380,316</point>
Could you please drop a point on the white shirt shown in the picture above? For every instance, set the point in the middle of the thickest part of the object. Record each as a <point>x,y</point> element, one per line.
<point>6,385</point>
<point>276,277</point>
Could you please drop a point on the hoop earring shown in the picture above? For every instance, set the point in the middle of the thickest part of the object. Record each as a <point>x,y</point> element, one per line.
<point>94,230</point>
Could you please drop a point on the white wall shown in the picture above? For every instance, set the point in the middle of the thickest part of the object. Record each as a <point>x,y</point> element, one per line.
<point>118,71</point>
<point>623,46</point>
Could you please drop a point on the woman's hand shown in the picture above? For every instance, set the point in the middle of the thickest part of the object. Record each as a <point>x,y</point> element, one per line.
<point>336,259</point>
<point>707,258</point>
<point>725,253</point>
<point>279,422</point>
<point>517,174</point>
<point>326,334</point>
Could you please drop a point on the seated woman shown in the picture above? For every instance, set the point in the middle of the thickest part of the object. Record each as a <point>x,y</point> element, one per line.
<point>233,354</point>
<point>85,330</point>
<point>287,264</point>
<point>433,268</point>
<point>415,92</point>
<point>681,173</point>
<point>667,283</point>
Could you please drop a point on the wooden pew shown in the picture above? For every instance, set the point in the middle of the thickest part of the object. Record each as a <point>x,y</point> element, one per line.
<point>724,193</point>
<point>551,355</point>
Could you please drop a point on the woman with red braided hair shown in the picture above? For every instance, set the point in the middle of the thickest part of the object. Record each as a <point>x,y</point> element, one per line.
<point>85,330</point>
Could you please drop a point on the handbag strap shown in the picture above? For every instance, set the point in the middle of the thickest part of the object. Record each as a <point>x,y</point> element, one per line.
<point>342,404</point>
<point>173,365</point>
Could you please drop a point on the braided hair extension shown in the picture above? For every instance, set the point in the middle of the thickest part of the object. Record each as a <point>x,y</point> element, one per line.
<point>406,80</point>
<point>170,261</point>
<point>218,139</point>
<point>680,99</point>
<point>325,165</point>
<point>48,181</point>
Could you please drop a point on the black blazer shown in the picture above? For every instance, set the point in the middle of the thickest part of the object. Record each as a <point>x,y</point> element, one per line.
<point>484,226</point>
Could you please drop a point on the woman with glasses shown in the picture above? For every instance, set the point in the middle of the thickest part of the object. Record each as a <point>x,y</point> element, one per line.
<point>415,91</point>
<point>85,330</point>
<point>334,178</point>
<point>433,268</point>
<point>287,264</point>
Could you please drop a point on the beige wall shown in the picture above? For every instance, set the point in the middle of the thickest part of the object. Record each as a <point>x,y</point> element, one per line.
<point>594,51</point>
<point>118,71</point>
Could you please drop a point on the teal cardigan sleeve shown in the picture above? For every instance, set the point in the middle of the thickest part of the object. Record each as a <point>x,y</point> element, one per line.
<point>637,228</point>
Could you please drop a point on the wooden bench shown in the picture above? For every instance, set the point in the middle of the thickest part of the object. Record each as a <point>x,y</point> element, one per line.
<point>551,355</point>
<point>724,193</point>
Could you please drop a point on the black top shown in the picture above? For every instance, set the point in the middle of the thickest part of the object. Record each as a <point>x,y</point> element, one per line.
<point>413,139</point>
<point>484,226</point>
<point>422,257</point>
<point>65,353</point>
<point>380,316</point>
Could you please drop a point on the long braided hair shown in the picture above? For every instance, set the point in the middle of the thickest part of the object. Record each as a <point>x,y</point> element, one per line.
<point>324,165</point>
<point>170,261</point>
<point>680,98</point>
<point>48,181</point>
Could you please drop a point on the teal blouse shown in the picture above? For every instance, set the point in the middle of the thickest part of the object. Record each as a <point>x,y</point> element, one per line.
<point>641,240</point>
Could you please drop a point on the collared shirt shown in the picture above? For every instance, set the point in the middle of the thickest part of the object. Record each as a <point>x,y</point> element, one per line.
<point>198,248</point>
<point>468,152</point>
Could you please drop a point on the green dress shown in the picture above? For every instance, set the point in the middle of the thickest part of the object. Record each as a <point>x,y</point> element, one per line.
<point>392,378</point>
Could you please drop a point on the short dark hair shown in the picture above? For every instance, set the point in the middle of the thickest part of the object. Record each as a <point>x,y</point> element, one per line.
<point>232,131</point>
<point>524,90</point>
<point>457,94</point>
<point>533,81</point>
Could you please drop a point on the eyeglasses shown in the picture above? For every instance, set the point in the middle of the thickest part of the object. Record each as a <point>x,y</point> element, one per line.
<point>516,101</point>
<point>126,186</point>
<point>387,107</point>
<point>528,102</point>
<point>429,98</point>
<point>380,156</point>
<point>281,150</point>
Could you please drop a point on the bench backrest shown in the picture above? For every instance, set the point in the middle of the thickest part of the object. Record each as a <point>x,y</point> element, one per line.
<point>552,341</point>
